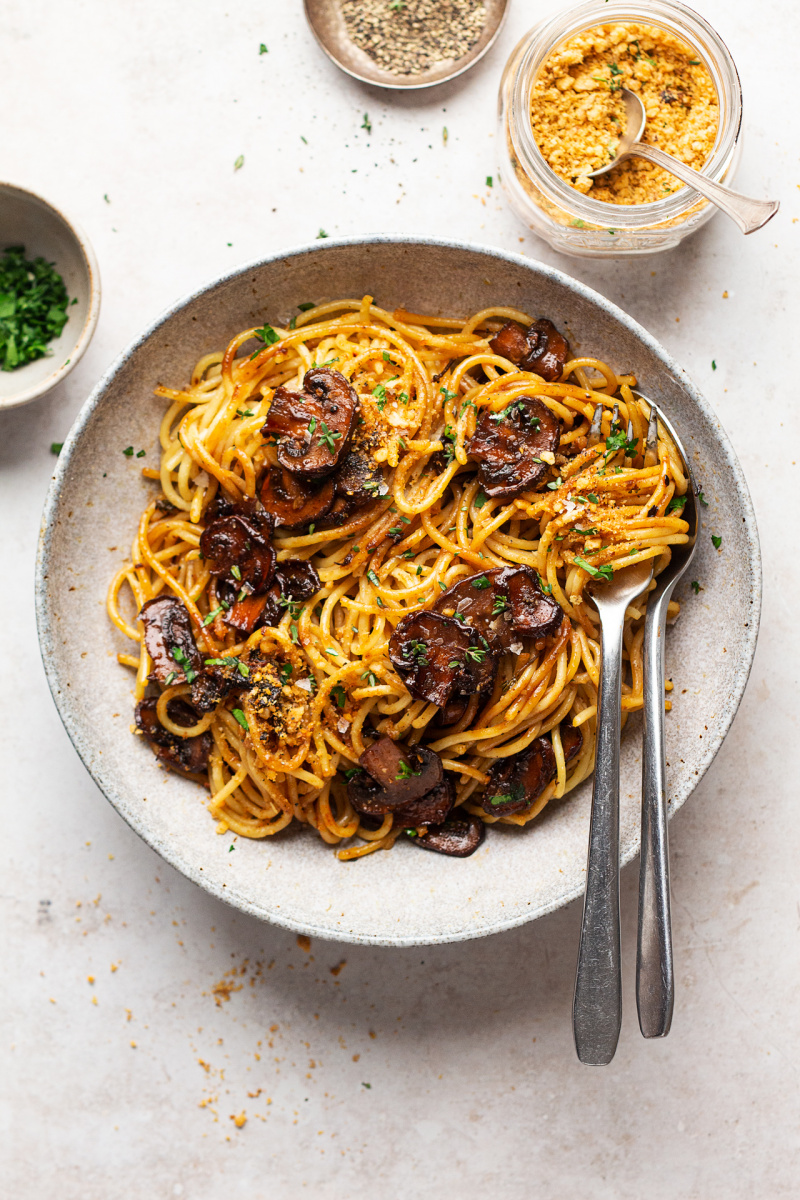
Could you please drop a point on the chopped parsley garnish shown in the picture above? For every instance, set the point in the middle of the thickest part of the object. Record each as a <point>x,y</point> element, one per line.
<point>512,796</point>
<point>480,499</point>
<point>245,412</point>
<point>170,679</point>
<point>286,672</point>
<point>407,772</point>
<point>351,772</point>
<point>402,397</point>
<point>128,451</point>
<point>141,453</point>
<point>676,504</point>
<point>489,181</point>
<point>702,499</point>
<point>321,234</point>
<point>447,395</point>
<point>262,49</point>
<point>695,587</point>
<point>717,540</point>
<point>293,633</point>
<point>180,658</point>
<point>328,437</point>
<point>56,447</point>
<point>619,441</point>
<point>449,438</point>
<point>417,652</point>
<point>241,718</point>
<point>380,396</point>
<point>267,335</point>
<point>366,123</point>
<point>592,497</point>
<point>236,573</point>
<point>339,695</point>
<point>604,572</point>
<point>409,553</point>
<point>442,585</point>
<point>713,364</point>
<point>373,578</point>
<point>481,582</point>
<point>476,655</point>
<point>212,616</point>
<point>306,306</point>
<point>237,166</point>
<point>555,484</point>
<point>371,678</point>
<point>33,307</point>
<point>395,531</point>
<point>312,425</point>
<point>387,356</point>
<point>500,605</point>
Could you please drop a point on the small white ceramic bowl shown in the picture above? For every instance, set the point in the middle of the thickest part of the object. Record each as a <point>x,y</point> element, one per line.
<point>28,220</point>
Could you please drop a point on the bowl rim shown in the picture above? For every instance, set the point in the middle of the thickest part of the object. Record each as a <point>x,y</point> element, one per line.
<point>172,854</point>
<point>93,312</point>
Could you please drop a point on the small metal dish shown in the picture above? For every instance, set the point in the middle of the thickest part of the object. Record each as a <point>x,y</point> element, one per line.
<point>327,25</point>
<point>30,221</point>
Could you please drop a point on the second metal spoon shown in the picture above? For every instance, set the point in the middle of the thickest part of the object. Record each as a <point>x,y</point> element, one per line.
<point>748,214</point>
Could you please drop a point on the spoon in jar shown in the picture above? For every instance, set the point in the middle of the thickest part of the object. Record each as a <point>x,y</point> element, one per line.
<point>748,214</point>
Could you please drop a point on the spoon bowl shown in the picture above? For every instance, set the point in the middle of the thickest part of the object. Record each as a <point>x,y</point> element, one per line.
<point>749,214</point>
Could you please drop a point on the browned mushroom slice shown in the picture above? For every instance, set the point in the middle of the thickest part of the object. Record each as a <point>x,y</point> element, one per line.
<point>533,612</point>
<point>237,547</point>
<point>298,579</point>
<point>438,657</point>
<point>482,602</point>
<point>169,640</point>
<point>251,612</point>
<point>359,479</point>
<point>540,348</point>
<point>292,503</point>
<point>508,446</point>
<point>403,774</point>
<point>515,783</point>
<point>313,427</point>
<point>188,756</point>
<point>458,837</point>
<point>431,809</point>
<point>452,712</point>
<point>571,741</point>
<point>220,677</point>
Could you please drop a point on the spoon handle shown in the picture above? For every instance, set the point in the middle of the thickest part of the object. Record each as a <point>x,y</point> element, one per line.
<point>597,1005</point>
<point>749,214</point>
<point>655,984</point>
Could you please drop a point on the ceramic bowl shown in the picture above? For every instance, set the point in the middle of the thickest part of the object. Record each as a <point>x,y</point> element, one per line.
<point>328,26</point>
<point>402,897</point>
<point>28,220</point>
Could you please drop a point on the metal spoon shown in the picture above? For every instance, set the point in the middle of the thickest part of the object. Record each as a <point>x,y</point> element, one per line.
<point>748,214</point>
<point>597,1005</point>
<point>655,986</point>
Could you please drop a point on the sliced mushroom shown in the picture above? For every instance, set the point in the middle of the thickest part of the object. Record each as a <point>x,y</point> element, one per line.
<point>571,741</point>
<point>503,604</point>
<point>313,427</point>
<point>237,548</point>
<point>251,612</point>
<point>169,640</point>
<point>452,712</point>
<point>298,579</point>
<point>437,657</point>
<point>403,774</point>
<point>219,678</point>
<point>292,503</point>
<point>508,446</point>
<point>458,837</point>
<point>540,348</point>
<point>533,612</point>
<point>188,756</point>
<point>515,783</point>
<point>482,602</point>
<point>431,809</point>
<point>360,479</point>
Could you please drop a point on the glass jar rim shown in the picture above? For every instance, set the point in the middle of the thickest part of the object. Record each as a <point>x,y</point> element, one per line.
<point>676,18</point>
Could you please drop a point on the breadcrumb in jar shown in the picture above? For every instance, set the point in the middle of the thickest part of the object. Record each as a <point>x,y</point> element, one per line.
<point>578,115</point>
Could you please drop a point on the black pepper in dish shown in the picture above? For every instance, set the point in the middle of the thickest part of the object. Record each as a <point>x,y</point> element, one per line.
<point>407,37</point>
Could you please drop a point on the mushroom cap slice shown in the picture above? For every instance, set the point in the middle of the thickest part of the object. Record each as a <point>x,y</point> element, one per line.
<point>503,604</point>
<point>571,740</point>
<point>516,782</point>
<point>292,503</point>
<point>237,547</point>
<point>431,809</point>
<point>400,773</point>
<point>187,756</point>
<point>540,348</point>
<point>459,836</point>
<point>437,657</point>
<point>508,446</point>
<point>167,629</point>
<point>314,427</point>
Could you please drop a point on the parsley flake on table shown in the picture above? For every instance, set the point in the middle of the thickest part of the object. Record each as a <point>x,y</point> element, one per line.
<point>695,586</point>
<point>366,123</point>
<point>717,540</point>
<point>33,307</point>
<point>237,166</point>
<point>56,448</point>
<point>322,234</point>
<point>702,499</point>
<point>262,49</point>
<point>489,181</point>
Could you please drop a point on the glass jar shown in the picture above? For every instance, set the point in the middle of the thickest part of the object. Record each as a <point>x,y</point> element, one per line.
<point>570,221</point>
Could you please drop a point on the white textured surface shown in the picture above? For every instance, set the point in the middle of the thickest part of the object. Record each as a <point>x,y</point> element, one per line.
<point>151,105</point>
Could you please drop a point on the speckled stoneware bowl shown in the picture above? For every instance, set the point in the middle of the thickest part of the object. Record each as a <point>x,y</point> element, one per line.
<point>28,220</point>
<point>404,897</point>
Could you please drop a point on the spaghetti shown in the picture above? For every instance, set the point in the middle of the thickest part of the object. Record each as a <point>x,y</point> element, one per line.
<point>292,705</point>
